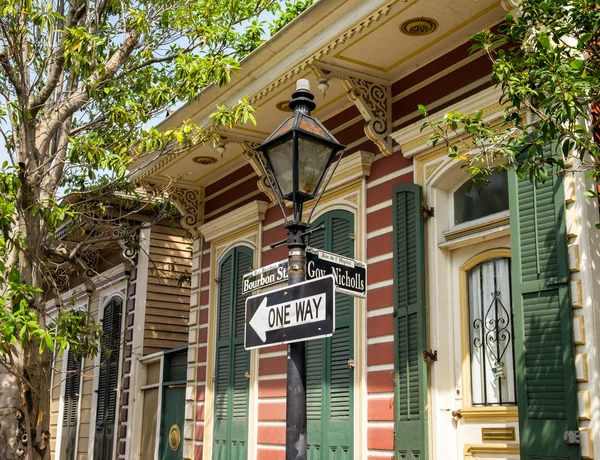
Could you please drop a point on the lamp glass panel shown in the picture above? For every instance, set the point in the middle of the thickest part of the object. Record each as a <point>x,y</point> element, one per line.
<point>281,156</point>
<point>313,158</point>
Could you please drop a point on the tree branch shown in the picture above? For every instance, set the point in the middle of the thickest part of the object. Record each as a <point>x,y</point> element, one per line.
<point>12,75</point>
<point>79,97</point>
<point>56,66</point>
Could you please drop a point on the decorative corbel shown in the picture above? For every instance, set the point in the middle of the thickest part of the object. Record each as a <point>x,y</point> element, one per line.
<point>62,277</point>
<point>90,260</point>
<point>251,156</point>
<point>190,203</point>
<point>372,97</point>
<point>128,240</point>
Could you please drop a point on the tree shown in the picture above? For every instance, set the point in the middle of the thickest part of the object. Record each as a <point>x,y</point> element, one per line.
<point>546,59</point>
<point>80,81</point>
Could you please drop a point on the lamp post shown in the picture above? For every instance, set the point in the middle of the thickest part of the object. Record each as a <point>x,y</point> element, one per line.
<point>298,154</point>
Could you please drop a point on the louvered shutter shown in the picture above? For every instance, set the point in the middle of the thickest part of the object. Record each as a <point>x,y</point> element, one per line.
<point>71,400</point>
<point>410,395</point>
<point>543,337</point>
<point>108,380</point>
<point>232,360</point>
<point>329,378</point>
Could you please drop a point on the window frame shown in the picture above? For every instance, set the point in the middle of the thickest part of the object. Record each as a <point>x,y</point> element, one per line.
<point>473,222</point>
<point>468,411</point>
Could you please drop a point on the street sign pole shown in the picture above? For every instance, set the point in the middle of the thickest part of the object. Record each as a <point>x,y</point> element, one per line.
<point>295,425</point>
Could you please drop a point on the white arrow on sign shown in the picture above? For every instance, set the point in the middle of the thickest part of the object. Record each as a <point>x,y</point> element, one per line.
<point>283,315</point>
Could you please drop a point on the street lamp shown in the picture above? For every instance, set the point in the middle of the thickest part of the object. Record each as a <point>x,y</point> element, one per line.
<point>298,154</point>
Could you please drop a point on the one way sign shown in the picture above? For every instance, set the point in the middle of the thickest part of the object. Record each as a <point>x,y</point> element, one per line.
<point>303,311</point>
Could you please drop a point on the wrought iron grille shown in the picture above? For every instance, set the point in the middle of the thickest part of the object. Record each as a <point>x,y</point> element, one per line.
<point>491,334</point>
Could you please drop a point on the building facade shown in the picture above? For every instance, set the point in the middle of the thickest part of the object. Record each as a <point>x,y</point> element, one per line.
<point>477,337</point>
<point>134,388</point>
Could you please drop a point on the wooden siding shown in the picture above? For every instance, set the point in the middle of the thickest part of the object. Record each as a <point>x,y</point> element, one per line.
<point>167,301</point>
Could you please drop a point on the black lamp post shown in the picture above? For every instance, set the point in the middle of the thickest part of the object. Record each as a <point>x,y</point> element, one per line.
<point>298,154</point>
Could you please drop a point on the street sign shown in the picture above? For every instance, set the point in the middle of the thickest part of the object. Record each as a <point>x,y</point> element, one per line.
<point>350,275</point>
<point>265,276</point>
<point>303,311</point>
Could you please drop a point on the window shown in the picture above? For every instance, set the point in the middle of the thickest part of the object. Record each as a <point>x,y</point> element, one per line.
<point>491,334</point>
<point>481,202</point>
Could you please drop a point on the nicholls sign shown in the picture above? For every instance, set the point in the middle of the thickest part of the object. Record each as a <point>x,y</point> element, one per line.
<point>350,275</point>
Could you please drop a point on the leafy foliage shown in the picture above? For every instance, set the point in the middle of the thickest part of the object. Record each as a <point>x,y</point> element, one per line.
<point>546,62</point>
<point>81,84</point>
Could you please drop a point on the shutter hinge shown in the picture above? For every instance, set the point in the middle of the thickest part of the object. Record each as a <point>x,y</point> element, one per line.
<point>427,212</point>
<point>430,355</point>
<point>573,437</point>
<point>247,375</point>
<point>350,363</point>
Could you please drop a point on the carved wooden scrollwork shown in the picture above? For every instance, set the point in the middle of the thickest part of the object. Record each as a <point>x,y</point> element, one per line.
<point>190,203</point>
<point>371,96</point>
<point>374,103</point>
<point>263,182</point>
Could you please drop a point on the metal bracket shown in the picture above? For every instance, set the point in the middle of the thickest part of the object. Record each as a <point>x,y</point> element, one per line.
<point>572,437</point>
<point>430,355</point>
<point>426,212</point>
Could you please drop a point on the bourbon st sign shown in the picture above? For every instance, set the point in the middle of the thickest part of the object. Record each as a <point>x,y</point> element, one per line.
<point>265,276</point>
<point>303,311</point>
<point>350,276</point>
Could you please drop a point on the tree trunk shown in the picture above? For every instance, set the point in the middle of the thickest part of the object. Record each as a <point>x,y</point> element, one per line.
<point>10,402</point>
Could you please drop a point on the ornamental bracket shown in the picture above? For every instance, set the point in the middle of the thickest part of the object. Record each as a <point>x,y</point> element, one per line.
<point>190,203</point>
<point>372,97</point>
<point>251,156</point>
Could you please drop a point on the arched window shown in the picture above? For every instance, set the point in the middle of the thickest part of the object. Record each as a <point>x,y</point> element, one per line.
<point>491,333</point>
<point>472,202</point>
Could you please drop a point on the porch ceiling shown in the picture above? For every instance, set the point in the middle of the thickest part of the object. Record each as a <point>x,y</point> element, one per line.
<point>374,48</point>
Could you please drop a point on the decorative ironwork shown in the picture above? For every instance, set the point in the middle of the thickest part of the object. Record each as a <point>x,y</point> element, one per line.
<point>495,333</point>
<point>492,335</point>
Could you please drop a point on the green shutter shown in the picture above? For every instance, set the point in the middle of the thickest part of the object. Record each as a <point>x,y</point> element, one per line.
<point>410,395</point>
<point>329,378</point>
<point>108,380</point>
<point>543,338</point>
<point>232,360</point>
<point>71,400</point>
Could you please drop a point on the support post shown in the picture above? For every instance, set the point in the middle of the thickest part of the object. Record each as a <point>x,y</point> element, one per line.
<point>295,437</point>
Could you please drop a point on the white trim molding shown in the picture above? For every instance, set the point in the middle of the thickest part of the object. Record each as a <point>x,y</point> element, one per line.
<point>414,140</point>
<point>238,219</point>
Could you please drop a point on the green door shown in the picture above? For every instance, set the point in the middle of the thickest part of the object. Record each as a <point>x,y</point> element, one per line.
<point>410,370</point>
<point>232,360</point>
<point>173,405</point>
<point>543,338</point>
<point>108,379</point>
<point>71,400</point>
<point>329,377</point>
